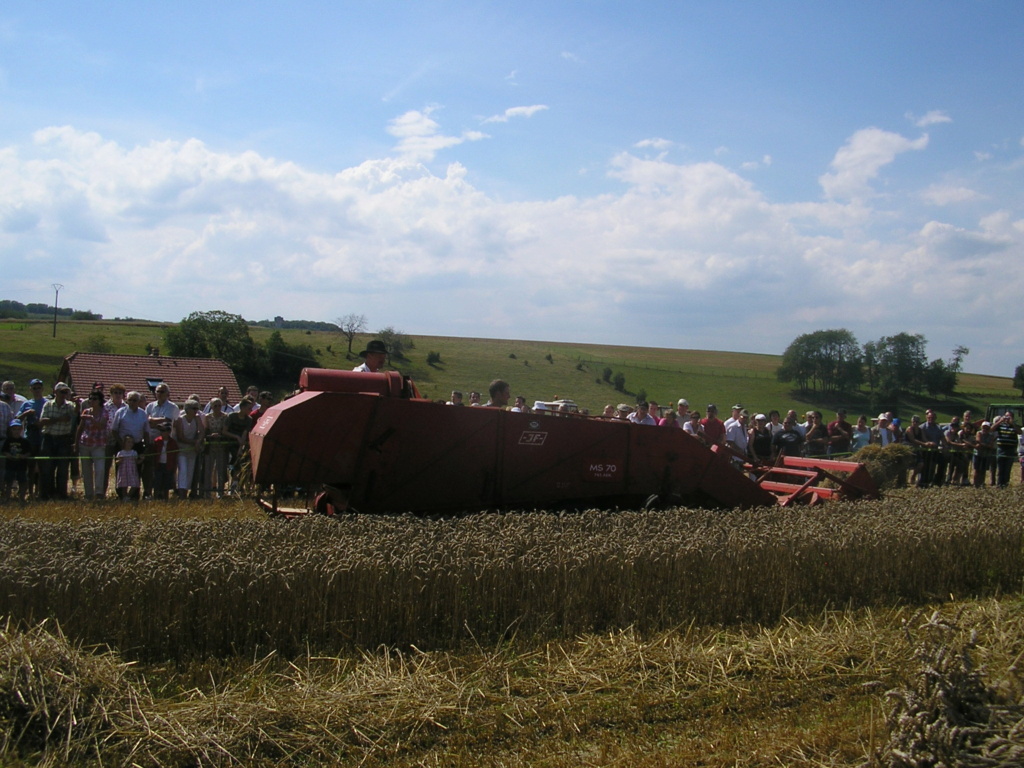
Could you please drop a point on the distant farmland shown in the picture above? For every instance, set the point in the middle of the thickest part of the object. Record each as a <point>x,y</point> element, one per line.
<point>536,369</point>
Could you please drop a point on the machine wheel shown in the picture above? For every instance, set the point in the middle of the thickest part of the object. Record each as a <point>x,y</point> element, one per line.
<point>331,501</point>
<point>322,505</point>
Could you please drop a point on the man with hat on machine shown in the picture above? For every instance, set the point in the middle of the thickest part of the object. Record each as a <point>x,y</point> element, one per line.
<point>374,357</point>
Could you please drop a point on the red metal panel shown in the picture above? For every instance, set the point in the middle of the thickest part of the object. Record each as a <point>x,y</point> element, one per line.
<point>329,380</point>
<point>549,460</point>
<point>391,454</point>
<point>314,437</point>
<point>427,457</point>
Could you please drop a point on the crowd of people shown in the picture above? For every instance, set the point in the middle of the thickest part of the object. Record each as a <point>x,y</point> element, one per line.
<point>193,449</point>
<point>963,452</point>
<point>151,446</point>
<point>966,451</point>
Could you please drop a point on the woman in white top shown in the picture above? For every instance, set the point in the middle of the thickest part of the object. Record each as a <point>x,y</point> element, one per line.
<point>693,426</point>
<point>188,433</point>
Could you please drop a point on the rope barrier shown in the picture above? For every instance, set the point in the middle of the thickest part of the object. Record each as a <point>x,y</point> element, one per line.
<point>142,455</point>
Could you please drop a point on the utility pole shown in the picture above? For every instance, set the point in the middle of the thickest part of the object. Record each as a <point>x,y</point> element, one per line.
<point>56,293</point>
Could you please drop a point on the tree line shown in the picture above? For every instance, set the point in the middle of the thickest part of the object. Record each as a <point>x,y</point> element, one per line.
<point>833,362</point>
<point>15,310</point>
<point>225,336</point>
<point>217,334</point>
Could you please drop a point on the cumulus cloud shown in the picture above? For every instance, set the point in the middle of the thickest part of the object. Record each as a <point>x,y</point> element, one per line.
<point>949,194</point>
<point>420,138</point>
<point>659,144</point>
<point>859,161</point>
<point>753,165</point>
<point>945,242</point>
<point>934,117</point>
<point>508,114</point>
<point>162,229</point>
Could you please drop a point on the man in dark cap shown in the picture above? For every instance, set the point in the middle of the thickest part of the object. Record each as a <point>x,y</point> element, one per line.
<point>374,357</point>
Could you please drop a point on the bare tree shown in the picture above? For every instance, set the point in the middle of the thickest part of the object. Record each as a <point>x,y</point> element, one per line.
<point>350,325</point>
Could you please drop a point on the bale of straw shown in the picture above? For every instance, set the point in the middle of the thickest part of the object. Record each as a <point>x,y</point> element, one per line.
<point>888,466</point>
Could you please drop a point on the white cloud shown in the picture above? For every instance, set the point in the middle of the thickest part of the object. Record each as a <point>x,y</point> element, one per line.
<point>945,242</point>
<point>948,194</point>
<point>568,56</point>
<point>420,138</point>
<point>934,117</point>
<point>753,165</point>
<point>857,163</point>
<point>508,114</point>
<point>166,228</point>
<point>659,144</point>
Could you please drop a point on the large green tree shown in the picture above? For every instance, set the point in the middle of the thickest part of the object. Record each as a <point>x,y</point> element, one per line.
<point>900,363</point>
<point>396,341</point>
<point>217,334</point>
<point>823,361</point>
<point>941,376</point>
<point>1018,378</point>
<point>286,360</point>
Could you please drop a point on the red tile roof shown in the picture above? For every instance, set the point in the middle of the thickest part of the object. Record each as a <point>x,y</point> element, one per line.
<point>184,375</point>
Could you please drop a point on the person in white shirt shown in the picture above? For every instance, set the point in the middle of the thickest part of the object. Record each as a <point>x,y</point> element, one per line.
<point>374,357</point>
<point>682,412</point>
<point>642,415</point>
<point>162,414</point>
<point>736,410</point>
<point>225,406</point>
<point>736,436</point>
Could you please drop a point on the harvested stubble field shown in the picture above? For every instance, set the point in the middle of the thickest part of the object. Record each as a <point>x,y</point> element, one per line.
<point>853,688</point>
<point>681,637</point>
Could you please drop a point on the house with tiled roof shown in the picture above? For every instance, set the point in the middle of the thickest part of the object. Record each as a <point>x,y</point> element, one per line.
<point>184,375</point>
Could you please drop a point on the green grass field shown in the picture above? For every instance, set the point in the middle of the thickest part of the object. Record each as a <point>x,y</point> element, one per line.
<point>29,349</point>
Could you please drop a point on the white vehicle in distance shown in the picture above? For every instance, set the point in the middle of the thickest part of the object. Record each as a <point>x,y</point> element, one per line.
<point>555,406</point>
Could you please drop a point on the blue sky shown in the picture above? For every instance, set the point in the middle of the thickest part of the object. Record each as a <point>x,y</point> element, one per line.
<point>721,175</point>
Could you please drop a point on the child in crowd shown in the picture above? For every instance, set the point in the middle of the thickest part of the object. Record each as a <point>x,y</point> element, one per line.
<point>17,453</point>
<point>127,471</point>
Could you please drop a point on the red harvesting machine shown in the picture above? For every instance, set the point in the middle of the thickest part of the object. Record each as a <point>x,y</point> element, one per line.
<point>368,442</point>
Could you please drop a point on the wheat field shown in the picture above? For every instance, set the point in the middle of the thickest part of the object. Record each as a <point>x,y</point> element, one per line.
<point>169,582</point>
